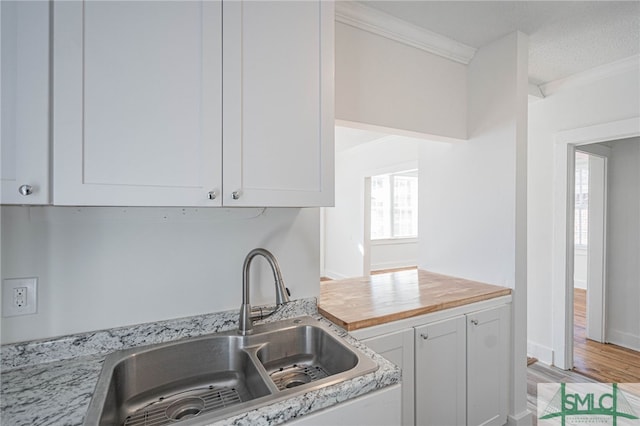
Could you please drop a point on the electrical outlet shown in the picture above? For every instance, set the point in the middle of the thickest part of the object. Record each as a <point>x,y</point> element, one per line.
<point>19,296</point>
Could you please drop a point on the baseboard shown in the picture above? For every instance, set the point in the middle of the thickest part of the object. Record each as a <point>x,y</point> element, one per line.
<point>522,419</point>
<point>333,275</point>
<point>580,284</point>
<point>392,265</point>
<point>623,339</point>
<point>543,353</point>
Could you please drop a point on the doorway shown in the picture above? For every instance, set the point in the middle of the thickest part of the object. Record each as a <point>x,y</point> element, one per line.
<point>615,361</point>
<point>346,227</point>
<point>590,235</point>
<point>563,239</point>
<point>589,260</point>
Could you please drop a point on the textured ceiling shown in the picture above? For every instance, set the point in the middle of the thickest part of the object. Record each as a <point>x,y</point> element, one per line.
<point>565,37</point>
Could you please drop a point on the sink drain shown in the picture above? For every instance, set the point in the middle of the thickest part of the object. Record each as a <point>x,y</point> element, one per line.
<point>185,408</point>
<point>294,379</point>
<point>297,375</point>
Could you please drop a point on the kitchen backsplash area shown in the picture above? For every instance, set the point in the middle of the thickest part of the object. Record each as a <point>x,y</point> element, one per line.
<point>106,267</point>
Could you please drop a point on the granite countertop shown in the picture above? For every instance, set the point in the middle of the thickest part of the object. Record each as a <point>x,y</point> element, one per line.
<point>51,382</point>
<point>357,303</point>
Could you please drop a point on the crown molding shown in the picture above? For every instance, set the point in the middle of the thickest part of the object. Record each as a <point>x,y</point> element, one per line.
<point>382,24</point>
<point>589,76</point>
<point>535,94</point>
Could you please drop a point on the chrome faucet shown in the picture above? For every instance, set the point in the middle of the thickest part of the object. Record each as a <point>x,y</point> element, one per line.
<point>245,325</point>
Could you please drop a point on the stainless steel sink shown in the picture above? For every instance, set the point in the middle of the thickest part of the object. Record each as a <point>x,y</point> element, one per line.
<point>209,378</point>
<point>299,355</point>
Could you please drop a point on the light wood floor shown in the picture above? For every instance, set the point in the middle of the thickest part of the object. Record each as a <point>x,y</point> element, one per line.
<point>593,361</point>
<point>604,363</point>
<point>541,373</point>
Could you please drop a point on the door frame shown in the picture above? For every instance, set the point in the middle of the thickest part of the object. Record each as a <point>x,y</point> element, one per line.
<point>597,239</point>
<point>366,238</point>
<point>563,226</point>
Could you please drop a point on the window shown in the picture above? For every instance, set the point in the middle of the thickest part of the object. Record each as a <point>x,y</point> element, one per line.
<point>581,222</point>
<point>394,205</point>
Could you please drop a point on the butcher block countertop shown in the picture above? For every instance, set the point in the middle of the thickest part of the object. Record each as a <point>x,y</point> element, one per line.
<point>356,303</point>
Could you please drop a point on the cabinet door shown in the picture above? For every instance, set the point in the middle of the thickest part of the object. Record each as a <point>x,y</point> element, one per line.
<point>379,408</point>
<point>487,366</point>
<point>398,348</point>
<point>441,373</point>
<point>137,103</point>
<point>278,123</point>
<point>25,102</point>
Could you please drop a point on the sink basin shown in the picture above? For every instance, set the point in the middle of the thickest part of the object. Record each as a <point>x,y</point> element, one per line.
<point>208,378</point>
<point>179,381</point>
<point>300,355</point>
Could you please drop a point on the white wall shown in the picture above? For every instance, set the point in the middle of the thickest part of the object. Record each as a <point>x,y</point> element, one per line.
<point>388,254</point>
<point>623,244</point>
<point>386,83</point>
<point>468,189</point>
<point>473,193</point>
<point>602,101</point>
<point>344,223</point>
<point>107,267</point>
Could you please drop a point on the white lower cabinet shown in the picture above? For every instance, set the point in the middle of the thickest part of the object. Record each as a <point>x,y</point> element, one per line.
<point>379,408</point>
<point>488,334</point>
<point>441,394</point>
<point>455,368</point>
<point>397,347</point>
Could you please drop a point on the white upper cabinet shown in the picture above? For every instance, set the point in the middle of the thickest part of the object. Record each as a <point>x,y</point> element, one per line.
<point>137,103</point>
<point>25,102</point>
<point>278,103</point>
<point>140,95</point>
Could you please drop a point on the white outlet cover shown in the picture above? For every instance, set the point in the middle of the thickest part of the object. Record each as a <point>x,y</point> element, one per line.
<point>8,286</point>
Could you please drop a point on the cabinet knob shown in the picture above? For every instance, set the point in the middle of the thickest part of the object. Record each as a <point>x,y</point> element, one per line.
<point>474,321</point>
<point>425,336</point>
<point>25,190</point>
<point>212,195</point>
<point>235,195</point>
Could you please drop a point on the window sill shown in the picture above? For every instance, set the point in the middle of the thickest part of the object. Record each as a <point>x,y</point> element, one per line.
<point>392,241</point>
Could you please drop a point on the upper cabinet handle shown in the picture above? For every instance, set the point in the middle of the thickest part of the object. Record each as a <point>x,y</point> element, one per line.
<point>212,195</point>
<point>235,195</point>
<point>25,190</point>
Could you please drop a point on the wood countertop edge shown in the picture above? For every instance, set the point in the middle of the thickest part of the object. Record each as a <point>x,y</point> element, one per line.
<point>395,316</point>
